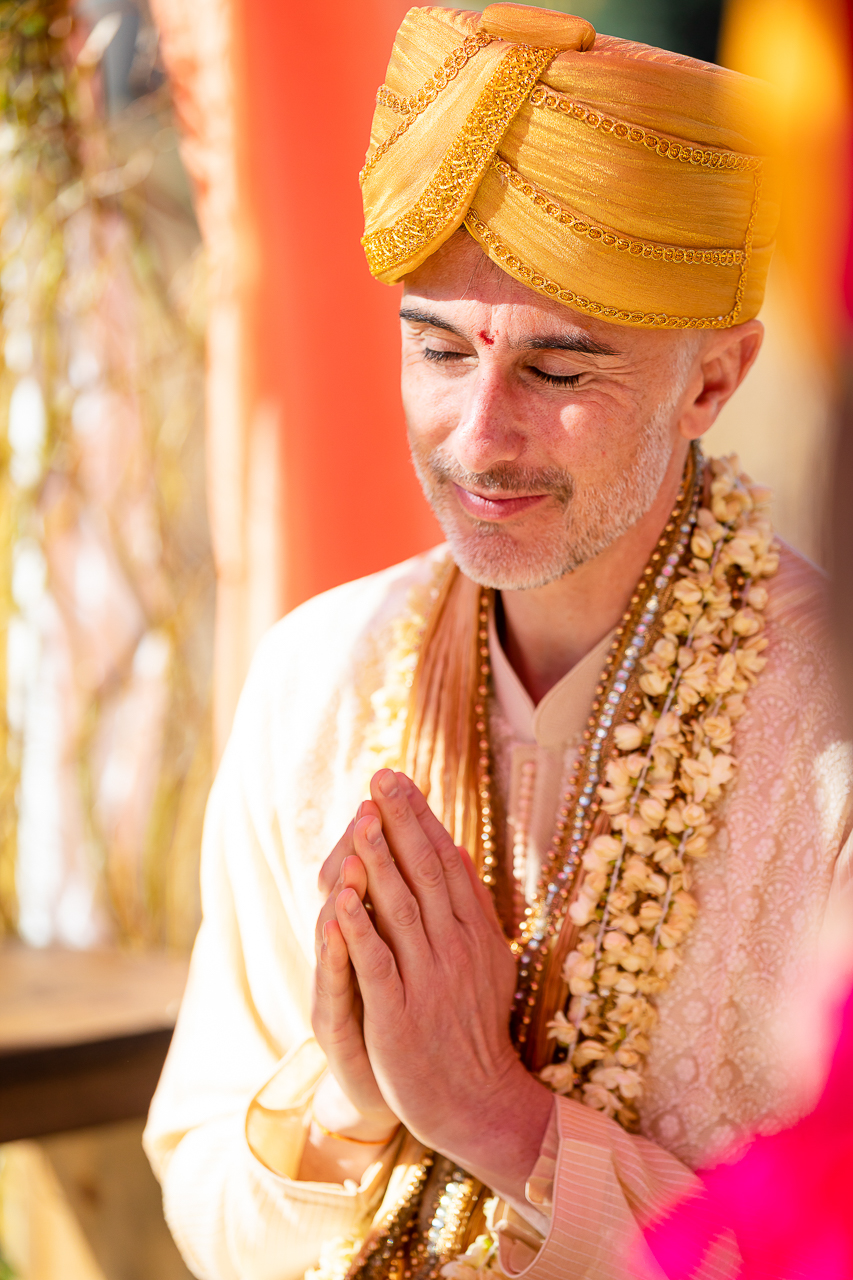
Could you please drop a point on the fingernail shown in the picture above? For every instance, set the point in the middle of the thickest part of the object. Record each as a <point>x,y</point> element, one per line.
<point>406,783</point>
<point>388,784</point>
<point>351,903</point>
<point>359,810</point>
<point>373,832</point>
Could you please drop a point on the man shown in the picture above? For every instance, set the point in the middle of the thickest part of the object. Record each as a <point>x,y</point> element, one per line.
<point>540,998</point>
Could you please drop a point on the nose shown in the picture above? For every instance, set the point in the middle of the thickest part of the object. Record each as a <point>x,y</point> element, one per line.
<point>487,432</point>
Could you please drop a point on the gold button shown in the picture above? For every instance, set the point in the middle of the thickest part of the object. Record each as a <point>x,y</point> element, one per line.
<point>542,28</point>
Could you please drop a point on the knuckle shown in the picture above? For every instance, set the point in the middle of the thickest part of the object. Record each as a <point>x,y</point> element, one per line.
<point>327,991</point>
<point>383,965</point>
<point>429,873</point>
<point>338,1034</point>
<point>408,914</point>
<point>450,859</point>
<point>456,954</point>
<point>382,858</point>
<point>398,808</point>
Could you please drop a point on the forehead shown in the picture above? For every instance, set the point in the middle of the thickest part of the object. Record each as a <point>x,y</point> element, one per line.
<point>469,287</point>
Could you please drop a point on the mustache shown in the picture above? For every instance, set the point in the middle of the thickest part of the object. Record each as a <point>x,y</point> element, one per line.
<point>505,477</point>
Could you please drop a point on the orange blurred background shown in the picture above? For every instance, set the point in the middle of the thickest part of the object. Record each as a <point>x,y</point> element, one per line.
<point>309,479</point>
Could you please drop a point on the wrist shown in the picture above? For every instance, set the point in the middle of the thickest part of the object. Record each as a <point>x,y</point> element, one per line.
<point>500,1141</point>
<point>335,1114</point>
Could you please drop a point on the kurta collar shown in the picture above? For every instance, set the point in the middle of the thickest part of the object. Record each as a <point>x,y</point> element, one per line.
<point>560,718</point>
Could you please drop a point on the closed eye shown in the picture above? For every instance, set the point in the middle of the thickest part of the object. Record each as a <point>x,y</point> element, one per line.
<point>550,379</point>
<point>556,379</point>
<point>440,357</point>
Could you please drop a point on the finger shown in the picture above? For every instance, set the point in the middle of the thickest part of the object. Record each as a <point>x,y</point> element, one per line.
<point>352,875</point>
<point>331,868</point>
<point>372,959</point>
<point>396,910</point>
<point>485,901</point>
<point>334,972</point>
<point>413,852</point>
<point>335,1013</point>
<point>464,900</point>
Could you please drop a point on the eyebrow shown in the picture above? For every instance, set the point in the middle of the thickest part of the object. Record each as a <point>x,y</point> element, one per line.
<point>579,342</point>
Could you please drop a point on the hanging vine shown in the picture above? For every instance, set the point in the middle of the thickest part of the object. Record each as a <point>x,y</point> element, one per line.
<point>105,572</point>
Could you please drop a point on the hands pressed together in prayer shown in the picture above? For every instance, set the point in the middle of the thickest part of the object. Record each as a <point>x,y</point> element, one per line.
<point>412,1003</point>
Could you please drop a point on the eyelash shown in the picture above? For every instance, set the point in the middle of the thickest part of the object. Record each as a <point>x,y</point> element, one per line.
<point>551,379</point>
<point>556,379</point>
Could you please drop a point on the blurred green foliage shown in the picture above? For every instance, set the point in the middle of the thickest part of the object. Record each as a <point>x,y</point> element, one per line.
<point>685,26</point>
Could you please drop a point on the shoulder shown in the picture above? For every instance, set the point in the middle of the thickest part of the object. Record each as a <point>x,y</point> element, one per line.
<point>793,723</point>
<point>799,644</point>
<point>800,648</point>
<point>797,604</point>
<point>315,649</point>
<point>331,624</point>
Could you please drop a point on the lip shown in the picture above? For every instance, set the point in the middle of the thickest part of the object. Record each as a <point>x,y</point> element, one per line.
<point>495,509</point>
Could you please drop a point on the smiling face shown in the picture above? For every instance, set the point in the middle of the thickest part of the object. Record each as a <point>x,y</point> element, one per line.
<point>540,436</point>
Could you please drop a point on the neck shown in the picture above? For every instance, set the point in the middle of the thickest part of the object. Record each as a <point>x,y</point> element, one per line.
<point>549,629</point>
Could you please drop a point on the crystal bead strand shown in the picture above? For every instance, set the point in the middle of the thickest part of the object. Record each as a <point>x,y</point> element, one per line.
<point>579,804</point>
<point>521,833</point>
<point>484,771</point>
<point>546,916</point>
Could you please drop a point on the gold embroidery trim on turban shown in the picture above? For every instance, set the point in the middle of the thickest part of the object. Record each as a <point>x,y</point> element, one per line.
<point>671,148</point>
<point>529,276</point>
<point>413,106</point>
<point>447,194</point>
<point>612,239</point>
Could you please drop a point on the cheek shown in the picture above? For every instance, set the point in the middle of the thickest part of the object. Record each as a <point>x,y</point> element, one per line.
<point>430,408</point>
<point>595,433</point>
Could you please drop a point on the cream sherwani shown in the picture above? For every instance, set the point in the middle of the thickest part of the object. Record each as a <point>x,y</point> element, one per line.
<point>228,1122</point>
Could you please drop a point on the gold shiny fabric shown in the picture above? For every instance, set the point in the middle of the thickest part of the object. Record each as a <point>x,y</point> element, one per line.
<point>624,181</point>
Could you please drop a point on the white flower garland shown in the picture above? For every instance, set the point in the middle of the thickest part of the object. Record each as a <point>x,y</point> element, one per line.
<point>670,765</point>
<point>383,742</point>
<point>634,908</point>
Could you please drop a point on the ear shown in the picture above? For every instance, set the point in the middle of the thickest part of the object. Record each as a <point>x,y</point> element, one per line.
<point>722,363</point>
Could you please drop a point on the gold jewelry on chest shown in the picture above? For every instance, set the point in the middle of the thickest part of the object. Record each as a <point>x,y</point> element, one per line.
<point>617,700</point>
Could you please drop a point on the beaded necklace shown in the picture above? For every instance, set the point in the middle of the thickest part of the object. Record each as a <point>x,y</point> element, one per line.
<point>617,699</point>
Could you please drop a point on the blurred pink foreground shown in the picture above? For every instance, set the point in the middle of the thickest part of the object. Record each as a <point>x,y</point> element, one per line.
<point>787,1200</point>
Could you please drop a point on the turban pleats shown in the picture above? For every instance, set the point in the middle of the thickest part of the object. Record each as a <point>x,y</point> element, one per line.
<point>625,182</point>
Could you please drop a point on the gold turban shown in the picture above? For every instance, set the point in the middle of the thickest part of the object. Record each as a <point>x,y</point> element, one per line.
<point>629,183</point>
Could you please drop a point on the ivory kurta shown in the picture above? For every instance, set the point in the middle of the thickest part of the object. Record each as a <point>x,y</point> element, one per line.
<point>228,1121</point>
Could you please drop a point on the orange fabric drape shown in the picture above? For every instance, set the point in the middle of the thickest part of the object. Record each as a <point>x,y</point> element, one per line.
<point>309,478</point>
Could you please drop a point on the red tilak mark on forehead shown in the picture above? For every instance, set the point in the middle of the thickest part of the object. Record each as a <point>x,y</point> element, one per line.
<point>485,337</point>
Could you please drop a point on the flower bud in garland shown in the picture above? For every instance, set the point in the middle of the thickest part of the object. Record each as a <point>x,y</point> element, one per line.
<point>669,769</point>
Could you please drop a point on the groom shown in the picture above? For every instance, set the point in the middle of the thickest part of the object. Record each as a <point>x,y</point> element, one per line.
<point>514,1018</point>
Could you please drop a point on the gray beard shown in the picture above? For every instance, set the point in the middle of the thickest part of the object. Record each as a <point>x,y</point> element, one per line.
<point>593,516</point>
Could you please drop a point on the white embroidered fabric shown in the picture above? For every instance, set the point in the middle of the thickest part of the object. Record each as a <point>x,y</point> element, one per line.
<point>717,1062</point>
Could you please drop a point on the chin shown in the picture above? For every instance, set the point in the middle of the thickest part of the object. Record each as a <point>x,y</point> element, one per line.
<point>492,557</point>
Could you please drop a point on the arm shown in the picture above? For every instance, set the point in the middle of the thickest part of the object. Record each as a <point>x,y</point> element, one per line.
<point>235,1206</point>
